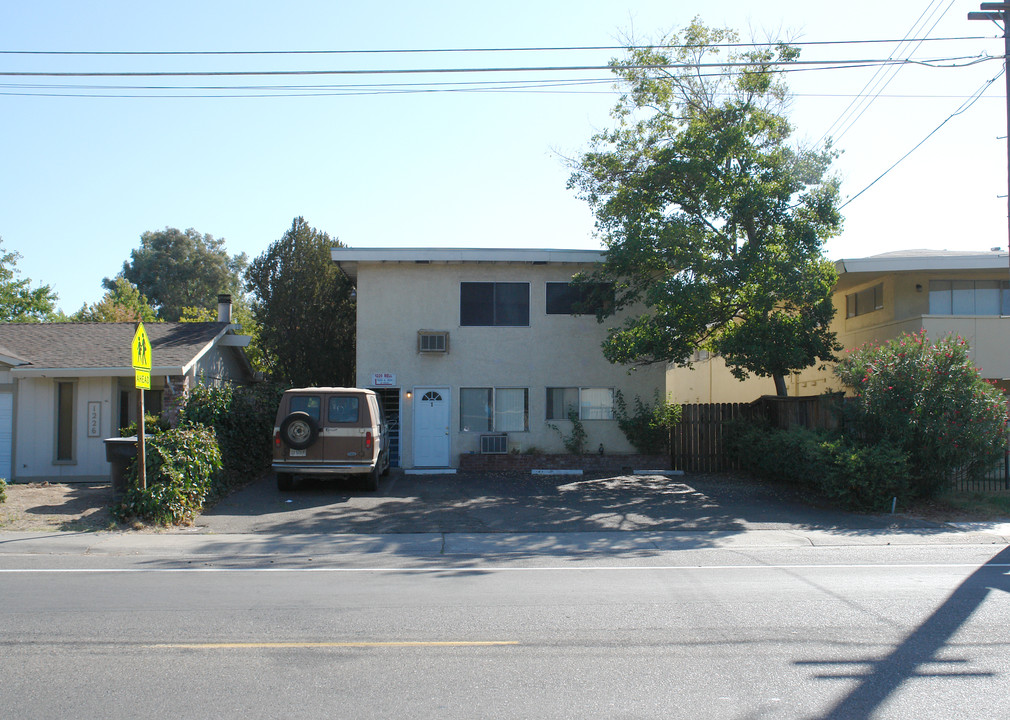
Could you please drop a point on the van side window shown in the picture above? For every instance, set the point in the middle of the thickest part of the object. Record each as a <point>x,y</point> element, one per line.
<point>342,410</point>
<point>308,404</point>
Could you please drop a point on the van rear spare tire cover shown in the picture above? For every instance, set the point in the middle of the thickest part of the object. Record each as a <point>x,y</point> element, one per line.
<point>299,430</point>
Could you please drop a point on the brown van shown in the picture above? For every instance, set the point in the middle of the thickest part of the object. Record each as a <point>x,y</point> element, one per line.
<point>330,431</point>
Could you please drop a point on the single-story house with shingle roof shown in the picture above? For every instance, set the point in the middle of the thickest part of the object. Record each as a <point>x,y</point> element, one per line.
<point>65,387</point>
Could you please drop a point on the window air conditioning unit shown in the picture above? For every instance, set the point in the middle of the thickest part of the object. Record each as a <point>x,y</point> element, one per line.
<point>494,444</point>
<point>433,341</point>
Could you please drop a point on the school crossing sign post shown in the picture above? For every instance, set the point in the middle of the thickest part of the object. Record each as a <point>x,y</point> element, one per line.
<point>140,352</point>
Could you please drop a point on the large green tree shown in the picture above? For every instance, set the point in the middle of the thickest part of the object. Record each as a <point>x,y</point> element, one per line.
<point>19,301</point>
<point>713,219</point>
<point>123,303</point>
<point>176,269</point>
<point>304,309</point>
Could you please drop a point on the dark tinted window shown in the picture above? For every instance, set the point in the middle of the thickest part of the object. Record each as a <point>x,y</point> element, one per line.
<point>581,299</point>
<point>503,304</point>
<point>307,404</point>
<point>342,410</point>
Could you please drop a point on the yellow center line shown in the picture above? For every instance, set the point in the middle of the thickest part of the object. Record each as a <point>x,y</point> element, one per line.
<point>254,645</point>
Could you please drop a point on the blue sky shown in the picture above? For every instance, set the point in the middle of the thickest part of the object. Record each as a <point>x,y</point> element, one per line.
<point>83,177</point>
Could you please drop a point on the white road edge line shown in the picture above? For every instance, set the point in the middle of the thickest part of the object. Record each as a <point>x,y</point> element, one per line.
<point>451,568</point>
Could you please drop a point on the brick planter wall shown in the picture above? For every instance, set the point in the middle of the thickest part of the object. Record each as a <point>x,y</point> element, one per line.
<point>587,463</point>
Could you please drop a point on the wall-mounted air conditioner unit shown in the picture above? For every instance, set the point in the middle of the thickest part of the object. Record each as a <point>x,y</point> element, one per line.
<point>433,341</point>
<point>494,444</point>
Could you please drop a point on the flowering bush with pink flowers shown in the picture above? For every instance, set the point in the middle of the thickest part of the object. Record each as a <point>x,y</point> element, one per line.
<point>928,399</point>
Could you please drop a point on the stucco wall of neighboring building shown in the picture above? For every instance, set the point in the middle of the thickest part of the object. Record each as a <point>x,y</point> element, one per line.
<point>396,300</point>
<point>905,310</point>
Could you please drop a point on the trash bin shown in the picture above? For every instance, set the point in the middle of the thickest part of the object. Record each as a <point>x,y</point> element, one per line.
<point>120,451</point>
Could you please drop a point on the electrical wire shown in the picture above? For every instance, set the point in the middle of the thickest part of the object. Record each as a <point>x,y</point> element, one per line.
<point>462,70</point>
<point>964,107</point>
<point>888,74</point>
<point>388,51</point>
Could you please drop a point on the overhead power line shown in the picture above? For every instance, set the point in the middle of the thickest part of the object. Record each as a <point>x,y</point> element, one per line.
<point>963,108</point>
<point>387,51</point>
<point>544,68</point>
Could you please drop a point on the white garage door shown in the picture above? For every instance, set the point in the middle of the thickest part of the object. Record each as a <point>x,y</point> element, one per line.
<point>6,433</point>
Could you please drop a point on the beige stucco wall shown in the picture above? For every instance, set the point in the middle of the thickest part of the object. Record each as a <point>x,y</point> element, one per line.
<point>906,310</point>
<point>396,300</point>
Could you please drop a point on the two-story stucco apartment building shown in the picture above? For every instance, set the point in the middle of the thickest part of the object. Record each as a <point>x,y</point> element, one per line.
<point>481,346</point>
<point>881,297</point>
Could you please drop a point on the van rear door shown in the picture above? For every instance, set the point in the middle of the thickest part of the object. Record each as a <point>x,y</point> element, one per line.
<point>343,431</point>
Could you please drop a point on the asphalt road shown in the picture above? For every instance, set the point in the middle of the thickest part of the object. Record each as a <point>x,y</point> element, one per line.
<point>843,633</point>
<point>501,503</point>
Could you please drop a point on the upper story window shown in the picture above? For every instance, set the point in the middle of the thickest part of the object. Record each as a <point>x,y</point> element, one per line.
<point>497,304</point>
<point>969,297</point>
<point>865,301</point>
<point>578,299</point>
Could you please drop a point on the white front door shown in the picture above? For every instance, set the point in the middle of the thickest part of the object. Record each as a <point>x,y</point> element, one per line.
<point>431,427</point>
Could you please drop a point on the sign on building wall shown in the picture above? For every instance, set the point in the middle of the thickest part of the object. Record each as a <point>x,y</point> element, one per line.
<point>383,379</point>
<point>94,419</point>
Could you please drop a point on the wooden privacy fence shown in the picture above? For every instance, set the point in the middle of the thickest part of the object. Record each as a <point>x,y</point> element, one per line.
<point>698,441</point>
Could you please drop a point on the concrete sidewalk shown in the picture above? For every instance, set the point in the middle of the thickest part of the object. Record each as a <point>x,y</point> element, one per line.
<point>179,545</point>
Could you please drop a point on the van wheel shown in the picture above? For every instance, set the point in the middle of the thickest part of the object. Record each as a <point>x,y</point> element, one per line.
<point>372,479</point>
<point>299,430</point>
<point>285,483</point>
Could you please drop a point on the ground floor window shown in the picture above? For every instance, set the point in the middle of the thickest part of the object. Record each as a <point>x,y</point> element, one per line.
<point>589,403</point>
<point>494,409</point>
<point>65,421</point>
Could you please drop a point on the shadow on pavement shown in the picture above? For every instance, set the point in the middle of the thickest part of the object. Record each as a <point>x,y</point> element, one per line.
<point>515,503</point>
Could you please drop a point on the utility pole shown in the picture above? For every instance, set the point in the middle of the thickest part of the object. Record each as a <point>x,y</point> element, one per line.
<point>998,12</point>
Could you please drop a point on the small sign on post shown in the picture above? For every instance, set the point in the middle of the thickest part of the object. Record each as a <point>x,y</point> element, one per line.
<point>140,355</point>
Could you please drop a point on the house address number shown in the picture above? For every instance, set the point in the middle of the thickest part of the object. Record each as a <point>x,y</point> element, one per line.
<point>94,419</point>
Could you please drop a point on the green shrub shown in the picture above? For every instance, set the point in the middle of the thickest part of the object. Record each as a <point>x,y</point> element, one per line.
<point>153,424</point>
<point>863,477</point>
<point>243,420</point>
<point>182,465</point>
<point>850,475</point>
<point>3,491</point>
<point>575,442</point>
<point>772,454</point>
<point>930,401</point>
<point>648,428</point>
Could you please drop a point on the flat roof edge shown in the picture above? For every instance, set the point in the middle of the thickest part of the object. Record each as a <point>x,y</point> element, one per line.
<point>463,255</point>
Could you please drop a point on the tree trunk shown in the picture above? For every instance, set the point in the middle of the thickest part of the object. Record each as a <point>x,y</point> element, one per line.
<point>780,386</point>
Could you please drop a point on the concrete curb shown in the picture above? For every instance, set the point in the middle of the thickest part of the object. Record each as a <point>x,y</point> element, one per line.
<point>182,544</point>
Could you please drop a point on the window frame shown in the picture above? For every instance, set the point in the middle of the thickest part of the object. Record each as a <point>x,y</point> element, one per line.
<point>853,304</point>
<point>572,294</point>
<point>492,407</point>
<point>580,404</point>
<point>948,293</point>
<point>64,427</point>
<point>466,318</point>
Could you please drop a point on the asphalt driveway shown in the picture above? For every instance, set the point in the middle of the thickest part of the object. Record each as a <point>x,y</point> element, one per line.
<point>522,503</point>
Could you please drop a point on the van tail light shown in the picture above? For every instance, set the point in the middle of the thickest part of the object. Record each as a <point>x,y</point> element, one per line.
<point>277,438</point>
<point>368,440</point>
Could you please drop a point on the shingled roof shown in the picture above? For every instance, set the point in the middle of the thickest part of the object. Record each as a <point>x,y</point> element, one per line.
<point>105,346</point>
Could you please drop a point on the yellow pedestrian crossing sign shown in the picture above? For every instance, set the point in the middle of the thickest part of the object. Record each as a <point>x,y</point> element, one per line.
<point>140,353</point>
